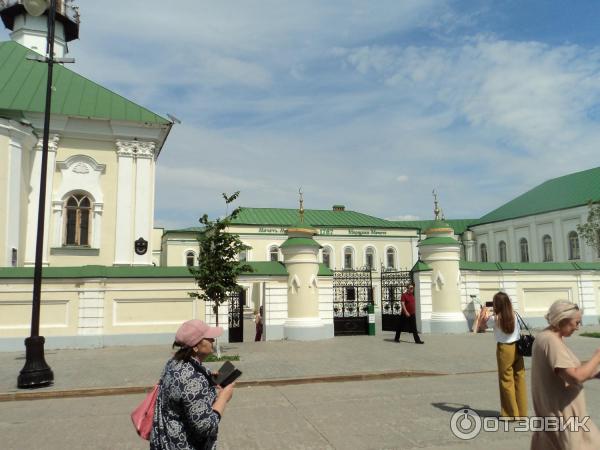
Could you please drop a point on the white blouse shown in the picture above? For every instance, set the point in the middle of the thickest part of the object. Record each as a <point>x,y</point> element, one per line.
<point>501,336</point>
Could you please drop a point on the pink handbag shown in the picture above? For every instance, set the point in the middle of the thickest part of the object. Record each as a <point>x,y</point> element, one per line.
<point>143,415</point>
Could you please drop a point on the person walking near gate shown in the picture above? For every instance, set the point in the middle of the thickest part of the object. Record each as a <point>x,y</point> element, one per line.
<point>408,319</point>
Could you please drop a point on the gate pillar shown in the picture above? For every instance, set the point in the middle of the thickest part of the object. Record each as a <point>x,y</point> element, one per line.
<point>441,252</point>
<point>301,259</point>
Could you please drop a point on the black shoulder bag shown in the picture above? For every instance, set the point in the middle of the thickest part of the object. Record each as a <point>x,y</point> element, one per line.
<point>525,342</point>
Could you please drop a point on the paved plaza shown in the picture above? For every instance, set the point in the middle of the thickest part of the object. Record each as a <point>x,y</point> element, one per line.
<point>357,392</point>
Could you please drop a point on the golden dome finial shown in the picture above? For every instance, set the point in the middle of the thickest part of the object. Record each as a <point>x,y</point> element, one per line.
<point>301,210</point>
<point>436,209</point>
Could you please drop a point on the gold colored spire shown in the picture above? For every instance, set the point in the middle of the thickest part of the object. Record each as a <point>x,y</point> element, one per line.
<point>301,210</point>
<point>436,209</point>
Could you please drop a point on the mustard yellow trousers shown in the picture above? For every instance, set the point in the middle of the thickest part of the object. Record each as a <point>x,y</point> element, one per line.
<point>511,379</point>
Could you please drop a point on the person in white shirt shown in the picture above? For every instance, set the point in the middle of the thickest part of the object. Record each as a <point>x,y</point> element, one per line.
<point>511,366</point>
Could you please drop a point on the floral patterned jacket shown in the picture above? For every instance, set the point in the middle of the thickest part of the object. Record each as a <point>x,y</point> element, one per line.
<point>183,415</point>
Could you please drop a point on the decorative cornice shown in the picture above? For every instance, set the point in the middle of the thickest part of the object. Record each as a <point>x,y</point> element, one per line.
<point>138,149</point>
<point>52,143</point>
<point>81,164</point>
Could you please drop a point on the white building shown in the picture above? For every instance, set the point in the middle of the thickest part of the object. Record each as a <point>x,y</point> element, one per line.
<point>98,290</point>
<point>101,161</point>
<point>541,224</point>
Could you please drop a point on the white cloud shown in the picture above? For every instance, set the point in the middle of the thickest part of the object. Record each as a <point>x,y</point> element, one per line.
<point>341,98</point>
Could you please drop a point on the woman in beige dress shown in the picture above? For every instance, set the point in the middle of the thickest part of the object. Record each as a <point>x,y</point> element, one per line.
<point>557,378</point>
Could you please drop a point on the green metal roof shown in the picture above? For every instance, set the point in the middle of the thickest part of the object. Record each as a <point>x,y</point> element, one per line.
<point>314,217</point>
<point>534,267</point>
<point>420,266</point>
<point>23,87</point>
<point>300,242</point>
<point>262,268</point>
<point>440,240</point>
<point>564,192</point>
<point>458,225</point>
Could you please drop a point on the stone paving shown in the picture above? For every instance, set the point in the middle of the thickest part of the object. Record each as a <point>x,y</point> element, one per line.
<point>393,412</point>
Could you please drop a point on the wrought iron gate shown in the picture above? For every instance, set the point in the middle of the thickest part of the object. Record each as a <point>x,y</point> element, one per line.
<point>352,294</point>
<point>236,316</point>
<point>393,284</point>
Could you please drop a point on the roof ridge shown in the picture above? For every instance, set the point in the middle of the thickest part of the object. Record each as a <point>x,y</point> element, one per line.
<point>60,67</point>
<point>566,191</point>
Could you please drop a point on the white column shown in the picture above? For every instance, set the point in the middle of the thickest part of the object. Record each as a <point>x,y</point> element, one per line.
<point>144,199</point>
<point>57,223</point>
<point>559,242</point>
<point>514,254</point>
<point>125,194</point>
<point>97,224</point>
<point>534,243</point>
<point>34,195</point>
<point>492,248</point>
<point>13,196</point>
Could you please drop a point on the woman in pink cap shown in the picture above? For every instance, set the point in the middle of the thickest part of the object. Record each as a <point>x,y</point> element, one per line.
<point>189,405</point>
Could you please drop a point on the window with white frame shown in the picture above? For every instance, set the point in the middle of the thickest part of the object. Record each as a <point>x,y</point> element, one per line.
<point>370,258</point>
<point>524,250</point>
<point>502,251</point>
<point>77,220</point>
<point>274,253</point>
<point>243,256</point>
<point>547,245</point>
<point>483,253</point>
<point>574,252</point>
<point>390,258</point>
<point>598,243</point>
<point>327,256</point>
<point>190,259</point>
<point>348,258</point>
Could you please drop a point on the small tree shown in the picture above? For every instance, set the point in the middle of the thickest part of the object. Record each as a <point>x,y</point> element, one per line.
<point>218,266</point>
<point>590,231</point>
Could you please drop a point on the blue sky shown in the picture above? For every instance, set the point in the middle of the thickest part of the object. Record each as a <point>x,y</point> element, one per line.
<point>370,104</point>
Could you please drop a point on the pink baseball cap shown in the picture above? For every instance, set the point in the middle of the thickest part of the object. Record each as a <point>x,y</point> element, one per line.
<point>193,331</point>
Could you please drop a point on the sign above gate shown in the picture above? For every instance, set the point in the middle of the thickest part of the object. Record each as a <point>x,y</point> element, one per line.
<point>330,231</point>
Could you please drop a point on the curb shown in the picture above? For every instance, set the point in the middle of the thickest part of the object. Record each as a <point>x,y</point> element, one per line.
<point>130,390</point>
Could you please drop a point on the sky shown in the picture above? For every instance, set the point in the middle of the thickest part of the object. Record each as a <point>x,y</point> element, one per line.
<point>370,104</point>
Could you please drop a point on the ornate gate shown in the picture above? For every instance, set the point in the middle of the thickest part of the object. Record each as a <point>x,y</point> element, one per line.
<point>352,294</point>
<point>236,316</point>
<point>393,284</point>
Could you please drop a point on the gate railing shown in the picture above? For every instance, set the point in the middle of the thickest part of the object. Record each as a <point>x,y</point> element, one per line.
<point>393,284</point>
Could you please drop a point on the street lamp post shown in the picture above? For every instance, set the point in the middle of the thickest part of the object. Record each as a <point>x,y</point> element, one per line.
<point>36,373</point>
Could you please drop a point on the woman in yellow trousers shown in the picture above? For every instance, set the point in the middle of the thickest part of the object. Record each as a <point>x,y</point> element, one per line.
<point>511,367</point>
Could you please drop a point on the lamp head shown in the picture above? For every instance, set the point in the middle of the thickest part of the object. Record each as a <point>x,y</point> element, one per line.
<point>36,7</point>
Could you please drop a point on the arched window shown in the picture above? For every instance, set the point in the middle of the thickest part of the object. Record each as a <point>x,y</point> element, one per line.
<point>273,253</point>
<point>483,253</point>
<point>370,258</point>
<point>190,259</point>
<point>390,258</point>
<point>547,244</point>
<point>574,246</point>
<point>502,251</point>
<point>327,256</point>
<point>348,258</point>
<point>77,224</point>
<point>524,249</point>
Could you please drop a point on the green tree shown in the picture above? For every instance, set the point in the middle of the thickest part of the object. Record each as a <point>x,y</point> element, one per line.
<point>590,231</point>
<point>218,266</point>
